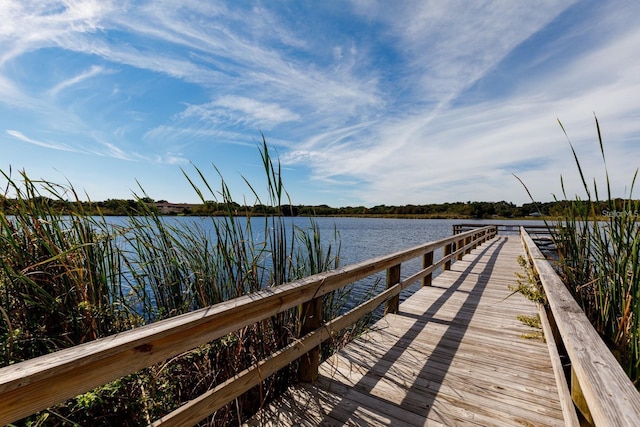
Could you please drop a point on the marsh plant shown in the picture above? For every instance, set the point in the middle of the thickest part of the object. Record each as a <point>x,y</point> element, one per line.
<point>527,282</point>
<point>599,259</point>
<point>67,277</point>
<point>535,323</point>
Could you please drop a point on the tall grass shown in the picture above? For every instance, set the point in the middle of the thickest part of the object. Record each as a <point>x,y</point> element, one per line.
<point>67,277</point>
<point>600,262</point>
<point>58,274</point>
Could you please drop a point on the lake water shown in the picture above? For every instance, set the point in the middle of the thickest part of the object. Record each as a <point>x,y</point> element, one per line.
<point>365,238</point>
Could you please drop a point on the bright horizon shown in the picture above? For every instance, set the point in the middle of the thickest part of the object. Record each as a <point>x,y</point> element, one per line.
<point>365,102</point>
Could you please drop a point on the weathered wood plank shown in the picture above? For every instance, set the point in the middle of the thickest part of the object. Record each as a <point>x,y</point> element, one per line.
<point>612,398</point>
<point>452,355</point>
<point>568,409</point>
<point>427,261</point>
<point>485,379</point>
<point>393,277</point>
<point>197,409</point>
<point>311,314</point>
<point>529,377</point>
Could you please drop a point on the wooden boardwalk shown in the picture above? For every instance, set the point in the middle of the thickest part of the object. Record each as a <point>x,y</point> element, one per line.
<point>453,355</point>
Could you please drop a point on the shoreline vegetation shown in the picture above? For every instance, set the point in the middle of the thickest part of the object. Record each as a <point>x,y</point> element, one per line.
<point>456,210</point>
<point>598,243</point>
<point>69,276</point>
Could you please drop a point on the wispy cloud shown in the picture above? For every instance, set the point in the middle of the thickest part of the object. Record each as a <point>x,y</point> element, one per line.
<point>486,142</point>
<point>407,100</point>
<point>449,45</point>
<point>10,95</point>
<point>93,71</point>
<point>171,159</point>
<point>241,110</point>
<point>28,26</point>
<point>52,145</point>
<point>196,133</point>
<point>229,50</point>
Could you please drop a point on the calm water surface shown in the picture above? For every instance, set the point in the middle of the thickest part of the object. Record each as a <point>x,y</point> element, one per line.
<point>365,238</point>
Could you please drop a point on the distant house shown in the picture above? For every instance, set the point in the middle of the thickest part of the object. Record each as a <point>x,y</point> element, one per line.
<point>535,214</point>
<point>167,208</point>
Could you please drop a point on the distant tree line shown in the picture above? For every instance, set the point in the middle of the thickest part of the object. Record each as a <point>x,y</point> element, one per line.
<point>435,210</point>
<point>477,210</point>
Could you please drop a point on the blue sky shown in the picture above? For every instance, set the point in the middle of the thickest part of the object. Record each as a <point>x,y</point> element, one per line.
<point>365,102</point>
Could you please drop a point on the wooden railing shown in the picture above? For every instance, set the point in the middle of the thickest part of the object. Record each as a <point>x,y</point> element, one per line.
<point>506,228</point>
<point>597,386</point>
<point>37,384</point>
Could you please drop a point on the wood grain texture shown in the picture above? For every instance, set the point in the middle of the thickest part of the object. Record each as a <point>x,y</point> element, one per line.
<point>453,355</point>
<point>611,397</point>
<point>39,383</point>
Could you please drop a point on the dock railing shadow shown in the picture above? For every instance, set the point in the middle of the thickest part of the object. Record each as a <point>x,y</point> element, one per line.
<point>443,353</point>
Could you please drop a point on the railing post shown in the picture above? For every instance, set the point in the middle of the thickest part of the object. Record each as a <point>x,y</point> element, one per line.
<point>467,241</point>
<point>393,277</point>
<point>311,313</point>
<point>427,261</point>
<point>578,398</point>
<point>460,245</point>
<point>446,252</point>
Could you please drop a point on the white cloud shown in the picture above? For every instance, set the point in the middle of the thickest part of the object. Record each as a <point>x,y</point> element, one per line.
<point>202,131</point>
<point>446,152</point>
<point>467,153</point>
<point>28,26</point>
<point>450,45</point>
<point>11,95</point>
<point>225,47</point>
<point>113,151</point>
<point>54,146</point>
<point>387,110</point>
<point>229,48</point>
<point>301,157</point>
<point>170,158</point>
<point>93,71</point>
<point>241,110</point>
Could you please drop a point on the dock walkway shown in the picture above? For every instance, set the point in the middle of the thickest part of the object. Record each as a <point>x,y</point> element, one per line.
<point>454,354</point>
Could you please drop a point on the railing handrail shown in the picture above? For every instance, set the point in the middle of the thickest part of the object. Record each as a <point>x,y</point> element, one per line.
<point>33,385</point>
<point>611,397</point>
<point>515,226</point>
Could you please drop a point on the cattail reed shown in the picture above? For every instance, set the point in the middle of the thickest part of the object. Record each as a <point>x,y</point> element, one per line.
<point>68,276</point>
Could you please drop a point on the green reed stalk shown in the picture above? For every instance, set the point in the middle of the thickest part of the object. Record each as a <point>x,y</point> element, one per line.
<point>67,277</point>
<point>56,272</point>
<point>598,242</point>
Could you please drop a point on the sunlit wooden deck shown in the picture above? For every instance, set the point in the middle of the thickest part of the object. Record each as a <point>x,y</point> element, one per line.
<point>453,355</point>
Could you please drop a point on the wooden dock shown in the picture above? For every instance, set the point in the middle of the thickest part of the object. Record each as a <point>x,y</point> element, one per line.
<point>454,354</point>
